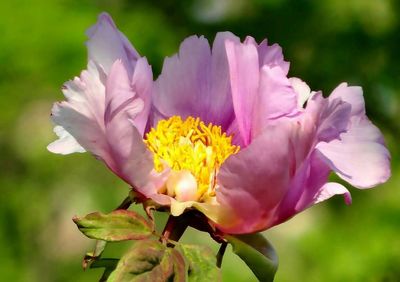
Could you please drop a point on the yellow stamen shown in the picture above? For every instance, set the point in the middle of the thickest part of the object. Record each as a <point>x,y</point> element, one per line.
<point>192,146</point>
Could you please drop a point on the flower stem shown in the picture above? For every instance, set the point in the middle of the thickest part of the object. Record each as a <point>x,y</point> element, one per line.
<point>221,253</point>
<point>126,203</point>
<point>175,227</point>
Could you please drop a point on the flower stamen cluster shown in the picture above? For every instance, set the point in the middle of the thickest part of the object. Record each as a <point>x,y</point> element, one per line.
<point>191,145</point>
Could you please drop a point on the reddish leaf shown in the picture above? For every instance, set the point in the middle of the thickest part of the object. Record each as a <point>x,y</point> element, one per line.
<point>150,260</point>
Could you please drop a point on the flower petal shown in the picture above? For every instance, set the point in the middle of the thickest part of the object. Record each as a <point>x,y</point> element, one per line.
<point>107,44</point>
<point>302,89</point>
<point>276,98</point>
<point>142,84</point>
<point>81,115</point>
<point>352,95</point>
<point>331,189</point>
<point>330,116</point>
<point>195,82</point>
<point>244,77</point>
<point>119,93</point>
<point>253,182</point>
<point>270,55</point>
<point>66,144</point>
<point>359,157</point>
<point>123,106</point>
<point>102,119</point>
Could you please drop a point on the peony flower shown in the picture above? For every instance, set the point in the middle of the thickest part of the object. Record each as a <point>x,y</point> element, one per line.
<point>222,130</point>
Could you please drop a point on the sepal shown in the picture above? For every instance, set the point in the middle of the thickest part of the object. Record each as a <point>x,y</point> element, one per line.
<point>259,255</point>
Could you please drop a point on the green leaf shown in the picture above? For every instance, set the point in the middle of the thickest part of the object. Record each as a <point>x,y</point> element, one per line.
<point>118,225</point>
<point>257,253</point>
<point>202,263</point>
<point>150,260</point>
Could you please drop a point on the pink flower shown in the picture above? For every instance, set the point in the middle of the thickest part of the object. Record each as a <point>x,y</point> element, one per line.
<point>222,130</point>
<point>107,107</point>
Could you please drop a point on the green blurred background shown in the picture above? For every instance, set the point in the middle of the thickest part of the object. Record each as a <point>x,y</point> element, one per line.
<point>327,42</point>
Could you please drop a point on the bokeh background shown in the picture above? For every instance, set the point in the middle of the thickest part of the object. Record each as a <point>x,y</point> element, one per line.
<point>327,42</point>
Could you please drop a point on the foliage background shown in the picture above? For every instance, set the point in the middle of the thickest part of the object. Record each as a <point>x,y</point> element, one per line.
<point>327,42</point>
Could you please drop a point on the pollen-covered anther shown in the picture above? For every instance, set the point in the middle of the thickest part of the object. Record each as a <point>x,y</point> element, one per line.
<point>193,149</point>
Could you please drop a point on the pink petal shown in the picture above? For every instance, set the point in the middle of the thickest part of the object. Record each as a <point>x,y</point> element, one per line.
<point>221,103</point>
<point>302,89</point>
<point>184,79</point>
<point>119,93</point>
<point>352,95</point>
<point>331,189</point>
<point>253,182</point>
<point>244,77</point>
<point>122,108</point>
<point>137,166</point>
<point>310,175</point>
<point>270,55</point>
<point>66,144</point>
<point>107,44</point>
<point>101,118</point>
<point>195,82</point>
<point>330,116</point>
<point>142,84</point>
<point>81,115</point>
<point>276,98</point>
<point>84,129</point>
<point>359,156</point>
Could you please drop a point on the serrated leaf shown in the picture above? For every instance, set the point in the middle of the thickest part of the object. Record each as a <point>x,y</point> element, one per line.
<point>202,263</point>
<point>150,260</point>
<point>118,225</point>
<point>257,253</point>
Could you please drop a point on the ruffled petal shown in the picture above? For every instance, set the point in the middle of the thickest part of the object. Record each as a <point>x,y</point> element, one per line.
<point>107,44</point>
<point>302,89</point>
<point>123,106</point>
<point>331,189</point>
<point>119,94</point>
<point>359,156</point>
<point>280,173</point>
<point>322,119</point>
<point>253,182</point>
<point>270,55</point>
<point>183,80</point>
<point>221,103</point>
<point>261,92</point>
<point>309,178</point>
<point>276,98</point>
<point>142,84</point>
<point>331,117</point>
<point>244,78</point>
<point>195,82</point>
<point>100,114</point>
<point>352,95</point>
<point>66,144</point>
<point>81,115</point>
